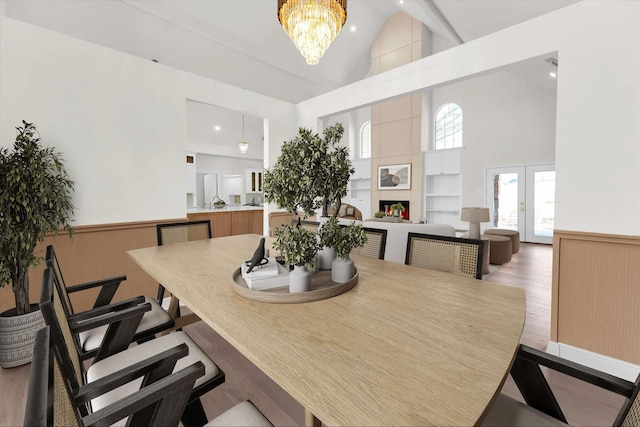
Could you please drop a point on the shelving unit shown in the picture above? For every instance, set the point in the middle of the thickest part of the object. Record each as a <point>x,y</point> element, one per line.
<point>442,187</point>
<point>359,189</point>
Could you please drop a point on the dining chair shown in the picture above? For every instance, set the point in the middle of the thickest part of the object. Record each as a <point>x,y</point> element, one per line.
<point>160,402</point>
<point>178,232</point>
<point>376,243</point>
<point>116,354</point>
<point>443,253</point>
<point>542,408</point>
<point>153,321</point>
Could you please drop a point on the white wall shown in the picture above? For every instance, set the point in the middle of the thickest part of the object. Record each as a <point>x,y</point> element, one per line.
<point>120,121</point>
<point>506,121</point>
<point>598,103</point>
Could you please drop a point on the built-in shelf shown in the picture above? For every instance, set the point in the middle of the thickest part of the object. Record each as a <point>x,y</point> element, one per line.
<point>444,210</point>
<point>442,195</point>
<point>442,186</point>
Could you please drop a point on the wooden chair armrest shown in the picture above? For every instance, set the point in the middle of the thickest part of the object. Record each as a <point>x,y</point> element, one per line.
<point>171,393</point>
<point>108,286</point>
<point>153,369</point>
<point>116,306</point>
<point>122,328</point>
<point>576,370</point>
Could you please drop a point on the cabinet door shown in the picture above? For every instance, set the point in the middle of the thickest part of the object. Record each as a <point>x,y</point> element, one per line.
<point>451,161</point>
<point>221,224</point>
<point>256,222</point>
<point>433,163</point>
<point>240,223</point>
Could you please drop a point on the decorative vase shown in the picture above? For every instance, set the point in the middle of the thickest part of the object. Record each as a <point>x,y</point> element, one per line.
<point>326,256</point>
<point>299,279</point>
<point>17,334</point>
<point>342,269</point>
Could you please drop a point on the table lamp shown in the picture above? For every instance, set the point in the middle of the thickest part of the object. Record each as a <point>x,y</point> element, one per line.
<point>474,216</point>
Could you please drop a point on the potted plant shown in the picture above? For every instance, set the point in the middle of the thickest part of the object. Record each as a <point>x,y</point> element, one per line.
<point>329,232</point>
<point>348,237</point>
<point>298,246</point>
<point>35,199</point>
<point>218,203</point>
<point>310,173</point>
<point>397,209</point>
<point>379,214</point>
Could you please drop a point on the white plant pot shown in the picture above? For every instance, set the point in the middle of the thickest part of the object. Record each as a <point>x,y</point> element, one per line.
<point>299,280</point>
<point>342,269</point>
<point>326,256</point>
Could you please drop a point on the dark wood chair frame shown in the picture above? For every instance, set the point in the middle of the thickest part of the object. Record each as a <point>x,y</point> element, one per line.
<point>161,400</point>
<point>460,240</point>
<point>102,304</point>
<point>537,393</point>
<point>122,326</point>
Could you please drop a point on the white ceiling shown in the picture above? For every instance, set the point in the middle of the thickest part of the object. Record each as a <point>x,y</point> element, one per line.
<point>240,42</point>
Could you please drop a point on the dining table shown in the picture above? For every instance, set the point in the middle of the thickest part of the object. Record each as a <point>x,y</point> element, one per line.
<point>405,346</point>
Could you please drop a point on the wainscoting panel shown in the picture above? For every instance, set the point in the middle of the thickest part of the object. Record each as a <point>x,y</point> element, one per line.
<point>596,293</point>
<point>96,252</point>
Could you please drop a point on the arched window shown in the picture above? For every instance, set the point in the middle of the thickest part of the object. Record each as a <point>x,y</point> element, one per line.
<point>365,140</point>
<point>448,127</point>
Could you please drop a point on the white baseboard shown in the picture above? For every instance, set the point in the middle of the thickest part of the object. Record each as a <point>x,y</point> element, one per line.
<point>616,367</point>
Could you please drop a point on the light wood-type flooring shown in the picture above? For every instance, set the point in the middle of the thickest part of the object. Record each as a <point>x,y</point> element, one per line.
<point>530,269</point>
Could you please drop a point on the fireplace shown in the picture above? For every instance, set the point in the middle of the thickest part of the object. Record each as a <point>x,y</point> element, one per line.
<point>386,204</point>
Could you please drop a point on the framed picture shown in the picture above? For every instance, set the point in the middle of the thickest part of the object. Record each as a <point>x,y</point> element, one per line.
<point>394,177</point>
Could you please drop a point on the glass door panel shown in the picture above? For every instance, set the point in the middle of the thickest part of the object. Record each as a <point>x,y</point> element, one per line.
<point>541,189</point>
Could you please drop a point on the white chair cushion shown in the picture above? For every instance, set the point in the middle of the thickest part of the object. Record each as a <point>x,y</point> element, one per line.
<point>243,414</point>
<point>507,411</point>
<point>91,340</point>
<point>140,352</point>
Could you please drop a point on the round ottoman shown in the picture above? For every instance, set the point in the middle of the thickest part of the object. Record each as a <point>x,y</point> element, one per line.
<point>512,234</point>
<point>500,248</point>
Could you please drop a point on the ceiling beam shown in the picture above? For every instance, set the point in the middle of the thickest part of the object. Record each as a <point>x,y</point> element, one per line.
<point>430,15</point>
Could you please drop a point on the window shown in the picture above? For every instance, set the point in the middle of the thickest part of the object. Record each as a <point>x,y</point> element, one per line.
<point>448,127</point>
<point>365,140</point>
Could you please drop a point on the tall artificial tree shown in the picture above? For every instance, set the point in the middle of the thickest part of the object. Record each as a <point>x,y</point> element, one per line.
<point>35,199</point>
<point>310,173</point>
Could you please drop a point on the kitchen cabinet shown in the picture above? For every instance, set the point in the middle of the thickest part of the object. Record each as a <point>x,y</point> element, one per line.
<point>231,223</point>
<point>253,180</point>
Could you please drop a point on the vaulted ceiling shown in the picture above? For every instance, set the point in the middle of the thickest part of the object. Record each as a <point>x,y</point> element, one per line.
<point>240,42</point>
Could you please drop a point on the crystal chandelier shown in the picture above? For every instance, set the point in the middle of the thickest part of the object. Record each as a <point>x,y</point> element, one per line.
<point>312,24</point>
<point>243,145</point>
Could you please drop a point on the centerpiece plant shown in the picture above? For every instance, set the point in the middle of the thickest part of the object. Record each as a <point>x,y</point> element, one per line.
<point>345,239</point>
<point>298,246</point>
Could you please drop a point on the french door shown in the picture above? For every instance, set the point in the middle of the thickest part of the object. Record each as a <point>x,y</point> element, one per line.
<point>522,198</point>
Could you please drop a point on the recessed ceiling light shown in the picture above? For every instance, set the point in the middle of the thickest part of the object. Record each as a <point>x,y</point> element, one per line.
<point>353,28</point>
<point>553,75</point>
<point>401,1</point>
<point>217,128</point>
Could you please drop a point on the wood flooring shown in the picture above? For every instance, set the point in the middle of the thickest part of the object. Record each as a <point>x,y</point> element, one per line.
<point>583,404</point>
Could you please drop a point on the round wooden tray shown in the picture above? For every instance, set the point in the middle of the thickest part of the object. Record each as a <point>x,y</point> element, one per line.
<point>321,288</point>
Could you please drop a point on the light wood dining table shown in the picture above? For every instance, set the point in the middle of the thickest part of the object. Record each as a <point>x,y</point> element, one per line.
<point>406,346</point>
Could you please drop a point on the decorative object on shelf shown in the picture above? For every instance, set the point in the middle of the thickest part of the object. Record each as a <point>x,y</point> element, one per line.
<point>347,238</point>
<point>379,214</point>
<point>474,215</point>
<point>298,246</point>
<point>394,177</point>
<point>218,203</point>
<point>243,145</point>
<point>258,258</point>
<point>312,24</point>
<point>35,199</point>
<point>396,209</point>
<point>310,173</point>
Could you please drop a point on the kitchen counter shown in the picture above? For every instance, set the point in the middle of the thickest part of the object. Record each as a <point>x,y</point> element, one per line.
<point>227,208</point>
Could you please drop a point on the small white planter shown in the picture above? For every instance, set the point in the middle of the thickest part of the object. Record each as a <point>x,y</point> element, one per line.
<point>325,258</point>
<point>342,269</point>
<point>299,280</point>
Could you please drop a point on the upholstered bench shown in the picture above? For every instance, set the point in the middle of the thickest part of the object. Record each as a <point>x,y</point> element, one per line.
<point>514,235</point>
<point>500,248</point>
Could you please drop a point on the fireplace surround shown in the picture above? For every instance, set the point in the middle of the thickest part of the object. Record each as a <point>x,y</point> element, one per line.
<point>385,206</point>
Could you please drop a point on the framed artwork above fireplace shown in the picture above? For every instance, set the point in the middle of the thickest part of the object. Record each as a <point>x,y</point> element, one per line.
<point>394,177</point>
